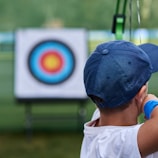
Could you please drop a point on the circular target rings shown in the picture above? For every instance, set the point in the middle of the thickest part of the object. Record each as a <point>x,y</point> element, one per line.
<point>51,62</point>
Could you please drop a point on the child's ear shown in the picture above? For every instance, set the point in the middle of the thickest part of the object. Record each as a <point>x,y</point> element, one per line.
<point>140,96</point>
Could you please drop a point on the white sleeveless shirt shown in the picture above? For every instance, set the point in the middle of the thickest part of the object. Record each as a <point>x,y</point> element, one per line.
<point>110,141</point>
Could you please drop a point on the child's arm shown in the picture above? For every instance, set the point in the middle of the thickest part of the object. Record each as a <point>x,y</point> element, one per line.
<point>148,132</point>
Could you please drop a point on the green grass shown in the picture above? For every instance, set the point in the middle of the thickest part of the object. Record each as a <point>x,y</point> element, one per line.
<point>42,145</point>
<point>55,138</point>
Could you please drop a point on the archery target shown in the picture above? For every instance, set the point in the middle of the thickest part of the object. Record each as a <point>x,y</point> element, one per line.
<point>51,62</point>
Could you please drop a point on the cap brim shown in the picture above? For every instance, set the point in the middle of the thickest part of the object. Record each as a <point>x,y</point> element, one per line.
<point>152,51</point>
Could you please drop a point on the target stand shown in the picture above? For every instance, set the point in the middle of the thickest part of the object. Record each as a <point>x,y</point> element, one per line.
<point>79,116</point>
<point>49,66</point>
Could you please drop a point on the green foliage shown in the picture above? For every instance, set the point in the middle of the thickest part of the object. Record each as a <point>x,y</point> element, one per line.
<point>90,14</point>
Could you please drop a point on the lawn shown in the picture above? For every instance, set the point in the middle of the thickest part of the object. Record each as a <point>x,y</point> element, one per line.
<point>55,138</point>
<point>42,145</point>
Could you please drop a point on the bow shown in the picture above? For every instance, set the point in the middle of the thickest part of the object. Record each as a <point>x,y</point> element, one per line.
<point>119,21</point>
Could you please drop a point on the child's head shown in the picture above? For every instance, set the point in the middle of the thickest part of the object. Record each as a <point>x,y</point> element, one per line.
<point>116,71</point>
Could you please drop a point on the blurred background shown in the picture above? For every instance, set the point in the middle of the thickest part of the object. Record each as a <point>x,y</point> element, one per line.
<point>57,132</point>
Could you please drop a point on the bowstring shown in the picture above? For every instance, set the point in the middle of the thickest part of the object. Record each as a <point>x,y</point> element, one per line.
<point>130,20</point>
<point>139,19</point>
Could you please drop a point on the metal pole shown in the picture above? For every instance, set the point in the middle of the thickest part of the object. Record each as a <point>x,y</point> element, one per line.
<point>28,114</point>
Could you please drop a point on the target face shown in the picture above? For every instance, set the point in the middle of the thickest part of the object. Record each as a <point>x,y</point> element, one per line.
<point>51,62</point>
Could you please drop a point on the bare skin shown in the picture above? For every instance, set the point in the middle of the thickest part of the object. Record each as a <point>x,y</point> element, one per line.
<point>148,132</point>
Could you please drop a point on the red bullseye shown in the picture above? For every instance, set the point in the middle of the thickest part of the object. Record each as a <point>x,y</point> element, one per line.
<point>51,62</point>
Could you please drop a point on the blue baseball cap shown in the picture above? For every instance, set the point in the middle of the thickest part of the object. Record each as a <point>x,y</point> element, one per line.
<point>117,70</point>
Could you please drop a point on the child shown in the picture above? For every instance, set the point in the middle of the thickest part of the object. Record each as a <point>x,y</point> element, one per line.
<point>116,79</point>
